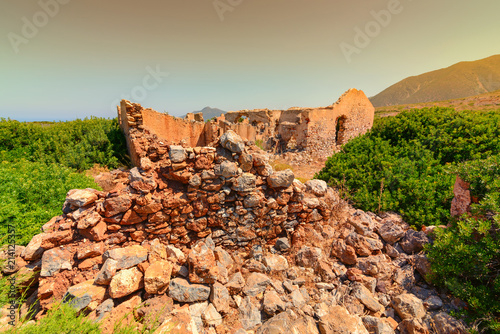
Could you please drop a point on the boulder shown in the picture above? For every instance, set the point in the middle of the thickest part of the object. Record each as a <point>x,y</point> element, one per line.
<point>125,282</point>
<point>84,295</point>
<point>232,142</point>
<point>182,291</point>
<point>54,260</point>
<point>281,179</point>
<point>157,277</point>
<point>408,306</point>
<point>81,197</point>
<point>127,257</point>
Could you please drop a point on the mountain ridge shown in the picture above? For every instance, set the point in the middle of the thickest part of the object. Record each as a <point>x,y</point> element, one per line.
<point>463,79</point>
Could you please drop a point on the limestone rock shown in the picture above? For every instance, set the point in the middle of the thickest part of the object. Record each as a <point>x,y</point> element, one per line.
<point>84,295</point>
<point>81,197</point>
<point>256,283</point>
<point>54,260</point>
<point>413,241</point>
<point>183,291</point>
<point>317,187</point>
<point>177,154</point>
<point>157,277</point>
<point>232,142</point>
<point>272,303</point>
<point>127,257</point>
<point>408,306</point>
<point>107,272</point>
<point>125,282</point>
<point>337,320</point>
<point>281,179</point>
<point>289,322</point>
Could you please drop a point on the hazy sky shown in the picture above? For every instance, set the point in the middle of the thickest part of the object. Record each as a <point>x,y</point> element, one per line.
<point>68,59</point>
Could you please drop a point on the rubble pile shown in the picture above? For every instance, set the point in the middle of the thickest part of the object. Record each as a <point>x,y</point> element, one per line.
<point>213,240</point>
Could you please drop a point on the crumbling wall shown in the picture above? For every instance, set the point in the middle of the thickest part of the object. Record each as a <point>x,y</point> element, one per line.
<point>315,130</point>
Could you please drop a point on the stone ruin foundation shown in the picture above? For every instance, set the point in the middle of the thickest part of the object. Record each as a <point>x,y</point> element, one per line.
<point>213,240</point>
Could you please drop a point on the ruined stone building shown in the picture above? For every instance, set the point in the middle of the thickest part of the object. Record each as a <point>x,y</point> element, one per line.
<point>314,130</point>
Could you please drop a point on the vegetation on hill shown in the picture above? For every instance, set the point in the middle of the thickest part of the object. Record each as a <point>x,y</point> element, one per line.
<point>408,164</point>
<point>463,79</point>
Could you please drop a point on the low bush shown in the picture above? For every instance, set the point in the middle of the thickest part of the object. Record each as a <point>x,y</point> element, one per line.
<point>77,144</point>
<point>32,193</point>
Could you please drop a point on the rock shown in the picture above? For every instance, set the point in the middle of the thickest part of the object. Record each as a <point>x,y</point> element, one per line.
<point>116,205</point>
<point>177,154</point>
<point>127,257</point>
<point>223,257</point>
<point>345,253</point>
<point>125,282</point>
<point>308,256</point>
<point>236,283</point>
<point>256,283</point>
<point>227,169</point>
<point>90,250</point>
<point>84,295</point>
<point>412,326</point>
<point>408,306</point>
<point>376,325</point>
<point>446,324</point>
<point>391,232</point>
<point>183,291</point>
<point>202,265</point>
<point>245,182</point>
<point>282,244</point>
<point>104,309</point>
<point>275,262</point>
<point>196,311</point>
<point>107,272</point>
<point>249,313</point>
<point>317,187</point>
<point>281,179</point>
<point>289,322</point>
<point>220,298</point>
<point>232,142</point>
<point>122,315</point>
<point>157,277</point>
<point>211,317</point>
<point>462,199</point>
<point>413,241</point>
<point>405,277</point>
<point>336,319</point>
<point>81,197</point>
<point>366,298</point>
<point>89,220</point>
<point>433,303</point>
<point>360,244</point>
<point>297,299</point>
<point>154,310</point>
<point>54,260</point>
<point>178,321</point>
<point>272,303</point>
<point>175,254</point>
<point>34,249</point>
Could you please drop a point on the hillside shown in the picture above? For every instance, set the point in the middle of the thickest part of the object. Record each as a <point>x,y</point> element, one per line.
<point>457,81</point>
<point>482,102</point>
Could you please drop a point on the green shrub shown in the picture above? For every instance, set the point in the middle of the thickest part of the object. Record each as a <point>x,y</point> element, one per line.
<point>61,319</point>
<point>403,164</point>
<point>466,257</point>
<point>32,193</point>
<point>77,144</point>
